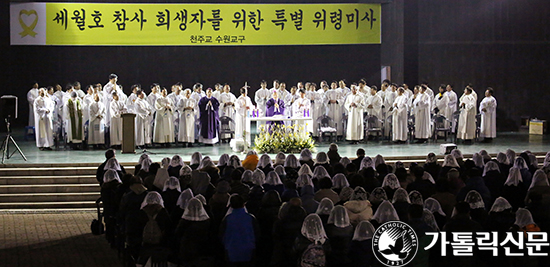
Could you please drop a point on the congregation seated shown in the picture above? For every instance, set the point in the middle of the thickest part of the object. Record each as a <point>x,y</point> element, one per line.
<point>234,216</point>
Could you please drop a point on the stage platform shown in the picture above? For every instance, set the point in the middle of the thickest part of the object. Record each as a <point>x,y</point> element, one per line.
<point>514,140</point>
<point>65,179</point>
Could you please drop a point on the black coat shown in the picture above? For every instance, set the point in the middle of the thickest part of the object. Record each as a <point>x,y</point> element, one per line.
<point>340,240</point>
<point>192,240</point>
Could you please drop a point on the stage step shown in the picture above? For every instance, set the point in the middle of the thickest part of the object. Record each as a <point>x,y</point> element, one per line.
<point>35,187</point>
<point>49,197</point>
<point>48,205</point>
<point>48,179</point>
<point>49,188</point>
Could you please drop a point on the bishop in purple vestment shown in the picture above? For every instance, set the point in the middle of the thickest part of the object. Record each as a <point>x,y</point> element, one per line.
<point>275,106</point>
<point>209,119</point>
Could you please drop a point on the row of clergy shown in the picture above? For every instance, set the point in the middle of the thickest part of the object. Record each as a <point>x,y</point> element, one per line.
<point>163,115</point>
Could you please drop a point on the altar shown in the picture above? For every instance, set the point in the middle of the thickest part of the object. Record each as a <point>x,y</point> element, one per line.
<point>307,121</point>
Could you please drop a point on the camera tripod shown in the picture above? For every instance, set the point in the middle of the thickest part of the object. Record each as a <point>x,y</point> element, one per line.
<point>6,144</point>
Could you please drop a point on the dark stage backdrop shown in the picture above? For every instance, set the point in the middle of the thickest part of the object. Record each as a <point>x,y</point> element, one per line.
<point>170,64</point>
<point>503,44</point>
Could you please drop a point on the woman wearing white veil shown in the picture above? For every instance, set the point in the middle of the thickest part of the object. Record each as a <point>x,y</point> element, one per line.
<point>304,169</point>
<point>280,159</point>
<point>312,232</point>
<point>367,162</point>
<point>323,210</point>
<point>196,159</point>
<point>385,213</point>
<point>514,188</point>
<point>144,163</point>
<point>258,177</point>
<point>539,186</point>
<point>192,232</point>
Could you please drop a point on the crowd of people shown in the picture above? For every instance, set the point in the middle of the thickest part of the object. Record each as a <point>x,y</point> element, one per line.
<point>93,116</point>
<point>317,211</point>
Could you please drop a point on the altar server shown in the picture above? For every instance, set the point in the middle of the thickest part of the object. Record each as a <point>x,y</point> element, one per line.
<point>163,132</point>
<point>487,108</point>
<point>72,113</point>
<point>32,95</point>
<point>186,108</point>
<point>467,119</point>
<point>399,111</point>
<point>355,107</point>
<point>117,108</point>
<point>43,108</point>
<point>422,115</point>
<point>143,111</point>
<point>209,118</point>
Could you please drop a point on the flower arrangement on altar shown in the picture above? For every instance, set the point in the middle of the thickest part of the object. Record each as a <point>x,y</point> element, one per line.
<point>282,138</point>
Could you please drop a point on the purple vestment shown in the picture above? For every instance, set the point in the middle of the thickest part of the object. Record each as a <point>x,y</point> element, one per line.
<point>209,119</point>
<point>272,111</point>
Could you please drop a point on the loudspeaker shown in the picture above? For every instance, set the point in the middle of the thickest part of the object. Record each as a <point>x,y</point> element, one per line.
<point>8,104</point>
<point>445,149</point>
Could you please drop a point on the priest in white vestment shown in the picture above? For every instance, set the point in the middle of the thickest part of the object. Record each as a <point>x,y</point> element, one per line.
<point>108,90</point>
<point>72,113</point>
<point>355,106</point>
<point>227,102</point>
<point>32,95</point>
<point>164,127</point>
<point>151,100</point>
<point>399,111</point>
<point>227,108</point>
<point>187,109</point>
<point>301,108</point>
<point>242,105</point>
<point>318,107</point>
<point>43,108</point>
<point>441,101</point>
<point>143,111</point>
<point>488,108</point>
<point>373,103</point>
<point>87,100</point>
<point>333,99</point>
<point>96,134</point>
<point>117,109</point>
<point>451,105</point>
<point>261,97</point>
<point>467,119</point>
<point>218,90</point>
<point>422,116</point>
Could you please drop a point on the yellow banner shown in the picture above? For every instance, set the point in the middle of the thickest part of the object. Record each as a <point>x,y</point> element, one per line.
<point>201,24</point>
